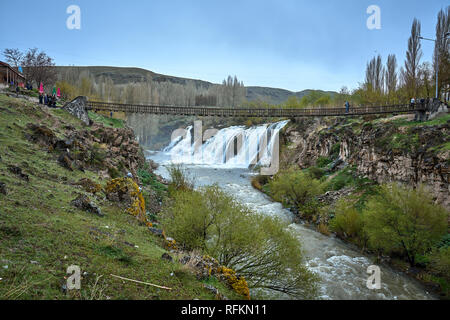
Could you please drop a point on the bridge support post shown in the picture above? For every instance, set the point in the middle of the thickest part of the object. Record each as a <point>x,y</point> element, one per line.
<point>421,116</point>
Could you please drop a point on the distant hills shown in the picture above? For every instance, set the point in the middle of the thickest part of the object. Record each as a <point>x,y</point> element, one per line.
<point>125,75</point>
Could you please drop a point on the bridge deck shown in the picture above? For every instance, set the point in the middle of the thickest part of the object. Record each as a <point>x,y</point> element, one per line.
<point>250,112</point>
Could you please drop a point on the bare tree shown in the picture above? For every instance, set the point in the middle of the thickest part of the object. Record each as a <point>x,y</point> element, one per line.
<point>391,74</point>
<point>39,67</point>
<point>413,56</point>
<point>13,57</point>
<point>375,74</point>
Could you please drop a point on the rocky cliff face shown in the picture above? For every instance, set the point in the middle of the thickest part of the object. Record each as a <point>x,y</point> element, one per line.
<point>382,150</point>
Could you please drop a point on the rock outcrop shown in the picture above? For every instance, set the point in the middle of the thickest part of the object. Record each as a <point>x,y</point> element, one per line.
<point>77,107</point>
<point>384,151</point>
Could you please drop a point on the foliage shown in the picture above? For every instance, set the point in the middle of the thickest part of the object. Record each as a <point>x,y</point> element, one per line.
<point>323,161</point>
<point>348,222</point>
<point>257,247</point>
<point>179,178</point>
<point>149,179</point>
<point>404,220</point>
<point>294,187</point>
<point>342,179</point>
<point>440,262</point>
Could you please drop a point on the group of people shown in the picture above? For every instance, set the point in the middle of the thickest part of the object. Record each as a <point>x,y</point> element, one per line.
<point>48,100</point>
<point>415,101</point>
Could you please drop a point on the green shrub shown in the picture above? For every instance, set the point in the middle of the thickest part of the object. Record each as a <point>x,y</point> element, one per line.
<point>404,220</point>
<point>149,179</point>
<point>342,179</point>
<point>257,247</point>
<point>322,162</point>
<point>180,180</point>
<point>316,172</point>
<point>348,222</point>
<point>335,149</point>
<point>440,262</point>
<point>294,187</point>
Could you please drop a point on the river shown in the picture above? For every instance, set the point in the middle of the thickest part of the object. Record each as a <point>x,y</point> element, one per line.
<point>341,267</point>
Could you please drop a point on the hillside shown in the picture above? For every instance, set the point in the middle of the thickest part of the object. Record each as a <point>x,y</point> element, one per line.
<point>60,206</point>
<point>123,75</point>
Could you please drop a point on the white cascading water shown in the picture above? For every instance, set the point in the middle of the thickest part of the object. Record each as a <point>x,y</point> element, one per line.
<point>232,147</point>
<point>341,268</point>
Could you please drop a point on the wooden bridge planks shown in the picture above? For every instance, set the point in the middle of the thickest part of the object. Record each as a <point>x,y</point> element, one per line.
<point>259,113</point>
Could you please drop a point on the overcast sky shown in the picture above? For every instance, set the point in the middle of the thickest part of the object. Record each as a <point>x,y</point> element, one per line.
<point>290,44</point>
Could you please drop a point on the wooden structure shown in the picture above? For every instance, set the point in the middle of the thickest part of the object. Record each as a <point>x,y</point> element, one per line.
<point>8,74</point>
<point>251,112</point>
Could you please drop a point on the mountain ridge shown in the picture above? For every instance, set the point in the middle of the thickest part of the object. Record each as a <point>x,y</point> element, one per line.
<point>126,75</point>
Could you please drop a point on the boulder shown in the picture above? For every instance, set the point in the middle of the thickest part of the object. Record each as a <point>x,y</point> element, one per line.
<point>77,107</point>
<point>41,135</point>
<point>3,189</point>
<point>18,171</point>
<point>89,185</point>
<point>127,192</point>
<point>65,161</point>
<point>82,202</point>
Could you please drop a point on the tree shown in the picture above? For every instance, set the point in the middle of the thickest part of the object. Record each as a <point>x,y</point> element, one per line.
<point>233,92</point>
<point>375,75</point>
<point>413,56</point>
<point>294,187</point>
<point>425,75</point>
<point>391,74</point>
<point>39,67</point>
<point>13,57</point>
<point>441,59</point>
<point>257,247</point>
<point>404,221</point>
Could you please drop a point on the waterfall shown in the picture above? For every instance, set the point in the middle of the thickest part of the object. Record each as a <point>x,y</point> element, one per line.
<point>232,147</point>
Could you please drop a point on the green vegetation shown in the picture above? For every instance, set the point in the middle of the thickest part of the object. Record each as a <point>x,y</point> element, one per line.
<point>42,233</point>
<point>256,247</point>
<point>348,222</point>
<point>404,221</point>
<point>296,188</point>
<point>107,122</point>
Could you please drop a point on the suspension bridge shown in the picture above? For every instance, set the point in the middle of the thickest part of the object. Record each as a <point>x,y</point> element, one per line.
<point>421,108</point>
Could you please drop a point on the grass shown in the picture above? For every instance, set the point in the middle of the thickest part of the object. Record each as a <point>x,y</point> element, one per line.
<point>107,122</point>
<point>42,234</point>
<point>437,121</point>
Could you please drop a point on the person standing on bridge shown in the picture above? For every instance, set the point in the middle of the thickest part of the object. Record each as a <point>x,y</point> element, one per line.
<point>347,106</point>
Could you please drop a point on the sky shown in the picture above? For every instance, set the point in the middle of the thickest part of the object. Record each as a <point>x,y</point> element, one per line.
<point>289,44</point>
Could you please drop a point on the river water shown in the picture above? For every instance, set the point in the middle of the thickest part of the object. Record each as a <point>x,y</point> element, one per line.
<point>342,268</point>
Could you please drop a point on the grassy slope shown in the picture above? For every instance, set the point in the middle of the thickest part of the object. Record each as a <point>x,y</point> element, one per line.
<point>41,234</point>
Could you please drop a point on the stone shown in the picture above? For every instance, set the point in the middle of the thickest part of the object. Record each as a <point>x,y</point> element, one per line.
<point>156,231</point>
<point>65,161</point>
<point>82,202</point>
<point>166,256</point>
<point>3,189</point>
<point>77,107</point>
<point>18,171</point>
<point>41,135</point>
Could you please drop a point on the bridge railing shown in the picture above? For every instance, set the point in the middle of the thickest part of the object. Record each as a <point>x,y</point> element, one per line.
<point>250,112</point>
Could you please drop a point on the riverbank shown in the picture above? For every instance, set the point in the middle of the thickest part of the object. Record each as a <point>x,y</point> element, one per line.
<point>66,199</point>
<point>342,268</point>
<point>321,151</point>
